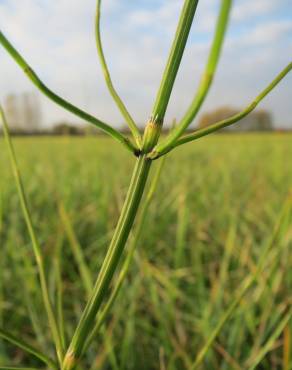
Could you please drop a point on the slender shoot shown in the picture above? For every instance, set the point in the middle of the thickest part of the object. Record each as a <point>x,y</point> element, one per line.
<point>206,79</point>
<point>60,101</point>
<point>231,120</point>
<point>27,348</point>
<point>131,123</point>
<point>153,127</point>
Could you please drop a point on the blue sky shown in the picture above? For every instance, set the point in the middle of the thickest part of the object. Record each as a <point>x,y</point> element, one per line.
<point>57,39</point>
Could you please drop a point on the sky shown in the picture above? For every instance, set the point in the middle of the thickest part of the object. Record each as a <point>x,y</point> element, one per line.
<point>57,39</point>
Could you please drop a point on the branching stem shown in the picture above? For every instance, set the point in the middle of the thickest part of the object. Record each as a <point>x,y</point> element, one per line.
<point>60,101</point>
<point>131,123</point>
<point>237,117</point>
<point>206,79</point>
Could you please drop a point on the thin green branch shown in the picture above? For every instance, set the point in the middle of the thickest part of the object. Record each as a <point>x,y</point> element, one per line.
<point>174,59</point>
<point>27,348</point>
<point>153,127</point>
<point>131,123</point>
<point>35,243</point>
<point>60,101</point>
<point>206,79</point>
<point>229,121</point>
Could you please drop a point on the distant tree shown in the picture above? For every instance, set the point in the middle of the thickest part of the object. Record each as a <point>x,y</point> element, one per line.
<point>65,128</point>
<point>23,112</point>
<point>11,104</point>
<point>31,112</point>
<point>260,120</point>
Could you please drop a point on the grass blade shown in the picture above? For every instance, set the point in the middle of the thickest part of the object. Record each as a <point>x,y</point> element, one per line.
<point>131,123</point>
<point>27,348</point>
<point>246,284</point>
<point>206,79</point>
<point>34,240</point>
<point>268,346</point>
<point>229,121</point>
<point>60,101</point>
<point>77,251</point>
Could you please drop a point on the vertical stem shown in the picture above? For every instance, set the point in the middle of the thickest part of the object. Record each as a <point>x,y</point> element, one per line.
<point>206,80</point>
<point>153,127</point>
<point>135,192</point>
<point>174,59</point>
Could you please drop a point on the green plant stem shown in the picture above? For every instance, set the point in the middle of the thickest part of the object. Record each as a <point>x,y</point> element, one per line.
<point>60,101</point>
<point>174,59</point>
<point>132,247</point>
<point>153,128</point>
<point>27,348</point>
<point>206,79</point>
<point>229,121</point>
<point>110,262</point>
<point>135,192</point>
<point>131,123</point>
<point>35,243</point>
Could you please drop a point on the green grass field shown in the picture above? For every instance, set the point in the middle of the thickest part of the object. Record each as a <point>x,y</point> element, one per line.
<point>221,204</point>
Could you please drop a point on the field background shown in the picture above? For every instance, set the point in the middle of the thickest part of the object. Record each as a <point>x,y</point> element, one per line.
<point>219,202</point>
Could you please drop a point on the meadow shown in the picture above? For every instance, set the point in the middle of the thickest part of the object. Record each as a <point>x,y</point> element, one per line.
<point>219,204</point>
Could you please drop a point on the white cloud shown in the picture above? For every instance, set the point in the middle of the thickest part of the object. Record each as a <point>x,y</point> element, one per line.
<point>57,39</point>
<point>250,8</point>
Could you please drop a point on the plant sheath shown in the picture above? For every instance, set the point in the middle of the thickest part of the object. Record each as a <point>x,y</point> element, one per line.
<point>110,262</point>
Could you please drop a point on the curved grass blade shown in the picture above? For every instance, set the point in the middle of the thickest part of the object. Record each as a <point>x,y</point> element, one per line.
<point>131,123</point>
<point>27,348</point>
<point>60,101</point>
<point>270,342</point>
<point>206,79</point>
<point>246,284</point>
<point>35,243</point>
<point>229,121</point>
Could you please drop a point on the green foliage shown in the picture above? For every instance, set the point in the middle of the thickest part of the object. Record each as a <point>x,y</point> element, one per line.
<point>147,148</point>
<point>221,215</point>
